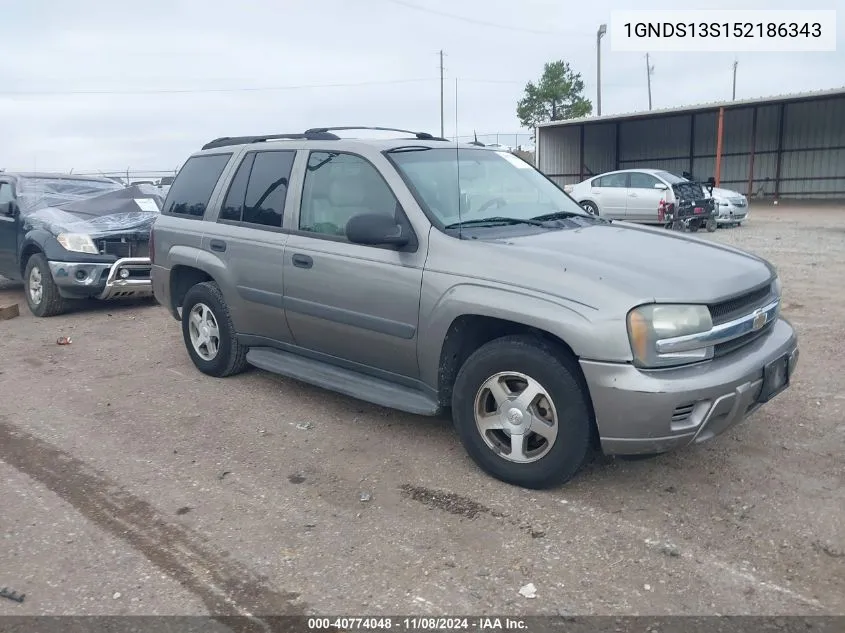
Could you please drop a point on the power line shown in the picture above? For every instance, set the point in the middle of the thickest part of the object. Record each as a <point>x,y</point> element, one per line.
<point>152,91</point>
<point>462,18</point>
<point>205,90</point>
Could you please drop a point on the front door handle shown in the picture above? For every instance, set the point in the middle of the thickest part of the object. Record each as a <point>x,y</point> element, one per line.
<point>302,261</point>
<point>217,245</point>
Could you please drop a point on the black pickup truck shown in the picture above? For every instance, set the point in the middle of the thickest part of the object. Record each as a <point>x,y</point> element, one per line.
<point>74,237</point>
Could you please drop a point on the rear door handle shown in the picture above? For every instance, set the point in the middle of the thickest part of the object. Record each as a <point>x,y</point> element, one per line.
<point>302,261</point>
<point>217,245</point>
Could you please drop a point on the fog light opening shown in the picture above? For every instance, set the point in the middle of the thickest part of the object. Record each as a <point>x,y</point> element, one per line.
<point>124,273</point>
<point>81,275</point>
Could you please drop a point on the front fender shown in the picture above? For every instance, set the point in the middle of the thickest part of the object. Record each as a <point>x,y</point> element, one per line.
<point>590,334</point>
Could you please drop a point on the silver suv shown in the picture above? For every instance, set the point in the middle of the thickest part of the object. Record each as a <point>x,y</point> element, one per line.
<point>426,276</point>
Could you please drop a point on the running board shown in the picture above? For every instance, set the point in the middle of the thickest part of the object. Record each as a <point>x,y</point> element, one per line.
<point>345,381</point>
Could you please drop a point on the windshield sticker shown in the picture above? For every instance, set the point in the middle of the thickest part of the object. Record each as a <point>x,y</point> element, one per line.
<point>147,204</point>
<point>513,160</point>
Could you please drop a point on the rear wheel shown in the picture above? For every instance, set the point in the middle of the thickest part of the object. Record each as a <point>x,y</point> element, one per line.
<point>209,333</point>
<point>590,207</point>
<point>711,225</point>
<point>42,293</point>
<point>522,412</point>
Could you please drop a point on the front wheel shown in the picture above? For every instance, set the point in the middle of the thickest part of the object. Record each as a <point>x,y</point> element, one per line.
<point>590,207</point>
<point>42,293</point>
<point>209,333</point>
<point>522,412</point>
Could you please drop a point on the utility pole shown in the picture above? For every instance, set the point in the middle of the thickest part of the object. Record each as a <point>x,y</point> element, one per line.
<point>599,34</point>
<point>441,95</point>
<point>649,69</point>
<point>733,98</point>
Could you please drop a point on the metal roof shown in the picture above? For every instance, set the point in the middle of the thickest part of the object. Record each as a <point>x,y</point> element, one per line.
<point>55,176</point>
<point>702,107</point>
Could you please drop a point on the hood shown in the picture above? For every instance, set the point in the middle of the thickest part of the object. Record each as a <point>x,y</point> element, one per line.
<point>614,263</point>
<point>718,192</point>
<point>125,211</point>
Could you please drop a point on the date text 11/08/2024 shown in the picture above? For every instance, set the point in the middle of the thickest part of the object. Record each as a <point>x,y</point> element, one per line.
<point>723,29</point>
<point>481,623</point>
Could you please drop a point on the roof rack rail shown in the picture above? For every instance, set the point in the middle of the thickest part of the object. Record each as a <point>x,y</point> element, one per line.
<point>226,141</point>
<point>422,136</point>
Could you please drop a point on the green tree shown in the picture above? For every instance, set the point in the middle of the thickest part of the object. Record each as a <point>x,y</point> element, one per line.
<point>555,97</point>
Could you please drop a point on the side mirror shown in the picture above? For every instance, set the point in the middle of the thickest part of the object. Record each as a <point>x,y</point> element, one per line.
<point>661,186</point>
<point>375,229</point>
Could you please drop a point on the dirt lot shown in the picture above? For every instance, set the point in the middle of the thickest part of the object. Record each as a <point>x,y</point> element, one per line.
<point>133,484</point>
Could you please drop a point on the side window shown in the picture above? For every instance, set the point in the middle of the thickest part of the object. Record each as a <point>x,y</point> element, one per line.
<point>233,205</point>
<point>615,181</point>
<point>192,189</point>
<point>5,193</point>
<point>339,186</point>
<point>268,187</point>
<point>640,180</point>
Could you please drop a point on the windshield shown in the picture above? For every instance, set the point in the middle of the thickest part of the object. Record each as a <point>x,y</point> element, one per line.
<point>38,193</point>
<point>474,184</point>
<point>671,178</point>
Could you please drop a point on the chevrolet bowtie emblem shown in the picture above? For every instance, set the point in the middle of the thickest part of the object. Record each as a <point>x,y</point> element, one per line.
<point>760,319</point>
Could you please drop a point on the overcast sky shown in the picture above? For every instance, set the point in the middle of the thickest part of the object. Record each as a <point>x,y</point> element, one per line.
<point>96,85</point>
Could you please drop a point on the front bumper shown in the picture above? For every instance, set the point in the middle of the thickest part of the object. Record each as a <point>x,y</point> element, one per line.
<point>731,214</point>
<point>657,411</point>
<point>104,280</point>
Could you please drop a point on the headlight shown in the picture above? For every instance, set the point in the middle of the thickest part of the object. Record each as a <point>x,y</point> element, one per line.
<point>650,323</point>
<point>77,242</point>
<point>720,202</point>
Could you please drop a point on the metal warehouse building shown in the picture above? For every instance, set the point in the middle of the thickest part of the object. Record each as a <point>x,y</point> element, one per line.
<point>791,146</point>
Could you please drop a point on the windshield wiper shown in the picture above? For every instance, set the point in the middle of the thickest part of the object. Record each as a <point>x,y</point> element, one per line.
<point>561,215</point>
<point>494,221</point>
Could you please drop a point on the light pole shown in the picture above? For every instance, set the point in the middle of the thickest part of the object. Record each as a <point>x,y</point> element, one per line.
<point>599,34</point>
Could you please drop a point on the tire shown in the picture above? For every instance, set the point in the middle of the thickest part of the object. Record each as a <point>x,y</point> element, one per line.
<point>590,207</point>
<point>694,226</point>
<point>565,398</point>
<point>711,225</point>
<point>46,301</point>
<point>230,356</point>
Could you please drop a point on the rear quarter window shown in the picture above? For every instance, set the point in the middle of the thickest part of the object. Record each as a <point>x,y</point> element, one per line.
<point>191,190</point>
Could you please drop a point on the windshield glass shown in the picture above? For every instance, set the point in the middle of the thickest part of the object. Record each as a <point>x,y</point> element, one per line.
<point>671,178</point>
<point>38,193</point>
<point>469,184</point>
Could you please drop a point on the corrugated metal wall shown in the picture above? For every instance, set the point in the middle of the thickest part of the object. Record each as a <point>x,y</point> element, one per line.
<point>816,129</point>
<point>812,157</point>
<point>599,148</point>
<point>557,152</point>
<point>656,143</point>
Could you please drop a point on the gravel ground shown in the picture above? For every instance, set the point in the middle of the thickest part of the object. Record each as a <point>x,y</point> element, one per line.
<point>133,484</point>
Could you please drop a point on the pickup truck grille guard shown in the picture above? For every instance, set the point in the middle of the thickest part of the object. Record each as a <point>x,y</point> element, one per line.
<point>136,283</point>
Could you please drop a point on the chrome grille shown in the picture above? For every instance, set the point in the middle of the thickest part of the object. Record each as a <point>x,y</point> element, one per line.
<point>739,306</point>
<point>731,346</point>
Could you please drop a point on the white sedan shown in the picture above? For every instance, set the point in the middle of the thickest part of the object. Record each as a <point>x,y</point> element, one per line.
<point>635,194</point>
